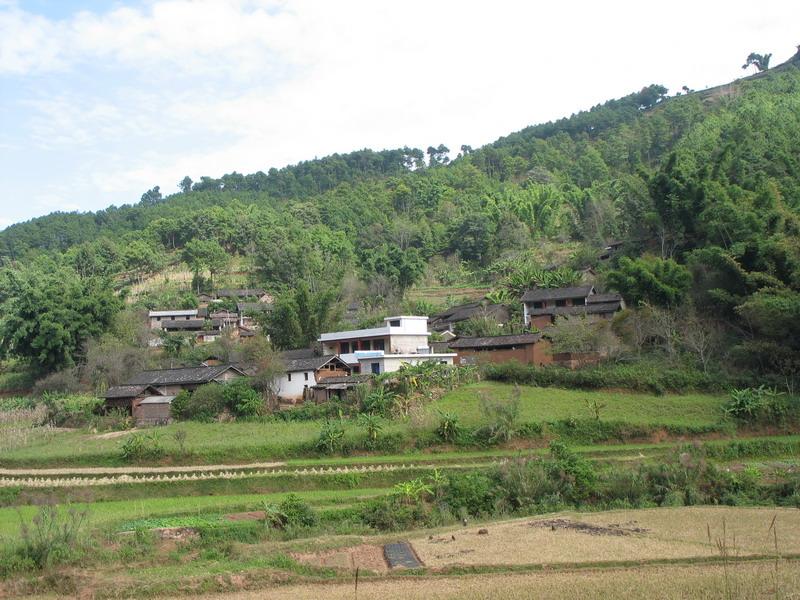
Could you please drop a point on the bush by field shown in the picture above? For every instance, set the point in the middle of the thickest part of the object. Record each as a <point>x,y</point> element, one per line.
<point>651,376</point>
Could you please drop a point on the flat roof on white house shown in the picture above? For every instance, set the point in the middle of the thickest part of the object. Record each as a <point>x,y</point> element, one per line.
<point>373,332</point>
<point>424,356</point>
<point>416,317</point>
<point>173,313</point>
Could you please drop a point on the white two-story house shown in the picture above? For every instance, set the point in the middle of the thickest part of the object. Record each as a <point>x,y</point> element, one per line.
<point>401,340</point>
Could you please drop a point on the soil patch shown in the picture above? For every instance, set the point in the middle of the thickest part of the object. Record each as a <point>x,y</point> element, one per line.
<point>365,556</point>
<point>256,515</point>
<point>590,528</point>
<point>113,434</point>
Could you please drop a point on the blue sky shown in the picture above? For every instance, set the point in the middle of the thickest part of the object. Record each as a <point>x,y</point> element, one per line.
<point>100,101</point>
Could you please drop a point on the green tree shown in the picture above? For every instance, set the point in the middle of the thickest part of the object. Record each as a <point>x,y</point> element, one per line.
<point>48,313</point>
<point>759,61</point>
<point>205,255</point>
<point>650,280</point>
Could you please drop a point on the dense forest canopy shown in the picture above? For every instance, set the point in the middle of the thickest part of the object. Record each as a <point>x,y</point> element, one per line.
<point>702,189</point>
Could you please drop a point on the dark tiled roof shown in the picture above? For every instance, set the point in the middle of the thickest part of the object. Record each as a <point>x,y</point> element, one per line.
<point>464,312</point>
<point>601,298</point>
<point>540,294</point>
<point>496,341</point>
<point>309,364</point>
<point>358,378</point>
<point>440,347</point>
<point>190,324</point>
<point>186,375</point>
<point>241,293</point>
<point>598,308</point>
<point>299,353</point>
<point>125,391</point>
<point>245,307</point>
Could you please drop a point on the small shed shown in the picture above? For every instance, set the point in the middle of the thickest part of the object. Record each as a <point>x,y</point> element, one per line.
<point>153,410</point>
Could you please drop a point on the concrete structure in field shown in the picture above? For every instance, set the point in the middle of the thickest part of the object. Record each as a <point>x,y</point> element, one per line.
<point>526,348</point>
<point>541,306</point>
<point>304,371</point>
<point>401,340</point>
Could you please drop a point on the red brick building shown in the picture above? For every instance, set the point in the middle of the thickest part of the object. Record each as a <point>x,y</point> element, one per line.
<point>526,348</point>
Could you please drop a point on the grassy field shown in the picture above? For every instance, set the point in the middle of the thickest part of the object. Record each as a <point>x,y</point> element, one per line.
<point>271,440</point>
<point>273,456</point>
<point>103,514</point>
<point>552,404</point>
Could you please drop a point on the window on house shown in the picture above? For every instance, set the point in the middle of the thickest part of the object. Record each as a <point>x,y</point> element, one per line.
<point>290,376</point>
<point>379,345</point>
<point>394,323</point>
<point>376,368</point>
<point>538,305</point>
<point>561,302</point>
<point>366,345</point>
<point>305,376</point>
<point>579,302</point>
<point>344,347</point>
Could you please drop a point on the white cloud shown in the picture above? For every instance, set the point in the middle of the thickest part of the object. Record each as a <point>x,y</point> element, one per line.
<point>147,95</point>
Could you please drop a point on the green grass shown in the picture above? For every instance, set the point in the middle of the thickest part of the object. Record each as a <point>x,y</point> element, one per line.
<point>273,440</point>
<point>552,404</point>
<point>104,514</point>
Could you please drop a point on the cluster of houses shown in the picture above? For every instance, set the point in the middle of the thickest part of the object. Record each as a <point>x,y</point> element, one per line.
<point>343,359</point>
<point>211,319</point>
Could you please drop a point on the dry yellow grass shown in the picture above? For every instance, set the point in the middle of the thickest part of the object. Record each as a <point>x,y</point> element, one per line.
<point>746,580</point>
<point>672,533</point>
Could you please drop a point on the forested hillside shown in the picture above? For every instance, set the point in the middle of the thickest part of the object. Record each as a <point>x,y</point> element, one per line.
<point>702,189</point>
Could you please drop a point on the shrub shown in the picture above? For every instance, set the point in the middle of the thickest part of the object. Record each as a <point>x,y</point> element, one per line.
<point>70,410</point>
<point>142,446</point>
<point>392,514</point>
<point>373,426</point>
<point>331,437</point>
<point>179,409</point>
<point>52,536</point>
<point>646,375</point>
<point>297,512</point>
<point>205,403</point>
<point>447,429</point>
<point>761,405</point>
<point>471,492</point>
<point>242,400</point>
<point>574,475</point>
<point>502,417</point>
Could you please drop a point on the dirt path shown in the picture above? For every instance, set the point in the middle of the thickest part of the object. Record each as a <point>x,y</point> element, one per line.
<point>135,470</point>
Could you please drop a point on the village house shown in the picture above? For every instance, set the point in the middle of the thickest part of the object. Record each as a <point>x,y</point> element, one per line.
<point>304,370</point>
<point>165,384</point>
<point>447,321</point>
<point>541,306</point>
<point>525,348</point>
<point>160,319</point>
<point>401,340</point>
